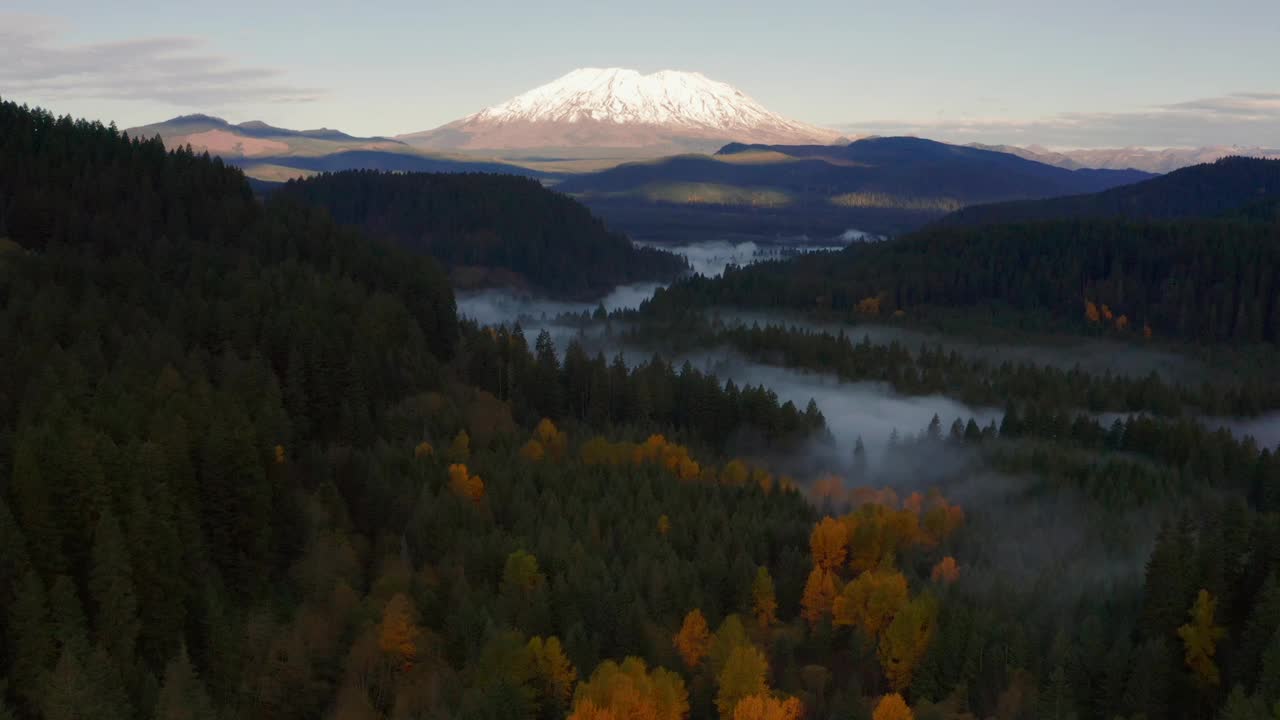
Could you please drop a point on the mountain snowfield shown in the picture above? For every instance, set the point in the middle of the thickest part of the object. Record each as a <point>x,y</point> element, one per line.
<point>616,107</point>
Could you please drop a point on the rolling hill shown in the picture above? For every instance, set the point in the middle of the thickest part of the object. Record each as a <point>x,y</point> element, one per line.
<point>1207,190</point>
<point>881,185</point>
<point>276,154</point>
<point>489,229</point>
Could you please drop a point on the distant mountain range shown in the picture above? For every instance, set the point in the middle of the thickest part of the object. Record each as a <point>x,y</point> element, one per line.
<point>882,185</point>
<point>1248,187</point>
<point>1153,161</point>
<point>659,113</point>
<point>276,154</point>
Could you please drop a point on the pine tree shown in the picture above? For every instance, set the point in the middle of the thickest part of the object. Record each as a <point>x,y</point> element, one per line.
<point>30,638</point>
<point>111,589</point>
<point>182,694</point>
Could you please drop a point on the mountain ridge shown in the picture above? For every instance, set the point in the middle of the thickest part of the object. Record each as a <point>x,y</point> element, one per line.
<point>1205,190</point>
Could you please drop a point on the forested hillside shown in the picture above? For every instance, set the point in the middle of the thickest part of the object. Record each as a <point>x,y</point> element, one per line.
<point>1199,191</point>
<point>1207,281</point>
<point>253,466</point>
<point>491,221</point>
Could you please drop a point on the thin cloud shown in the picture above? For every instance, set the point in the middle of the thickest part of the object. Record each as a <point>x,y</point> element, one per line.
<point>35,62</point>
<point>1247,119</point>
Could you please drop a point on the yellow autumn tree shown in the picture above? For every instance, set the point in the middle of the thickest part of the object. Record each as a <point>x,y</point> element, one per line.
<point>904,642</point>
<point>629,690</point>
<point>460,448</point>
<point>554,442</point>
<point>946,571</point>
<point>871,601</point>
<point>664,525</point>
<point>1200,638</point>
<point>1122,323</point>
<point>868,306</point>
<point>743,675</point>
<point>553,669</point>
<point>819,594</point>
<point>693,642</point>
<point>892,707</point>
<point>764,602</point>
<point>828,544</point>
<point>532,451</point>
<point>398,633</point>
<point>423,450</point>
<point>766,707</point>
<point>279,454</point>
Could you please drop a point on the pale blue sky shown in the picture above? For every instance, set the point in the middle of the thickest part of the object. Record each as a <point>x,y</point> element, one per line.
<point>1084,73</point>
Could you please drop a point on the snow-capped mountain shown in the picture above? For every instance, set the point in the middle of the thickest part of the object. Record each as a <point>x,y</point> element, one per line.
<point>619,108</point>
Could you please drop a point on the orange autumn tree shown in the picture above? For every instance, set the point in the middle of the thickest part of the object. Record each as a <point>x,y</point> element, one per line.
<point>398,632</point>
<point>892,707</point>
<point>1091,312</point>
<point>664,525</point>
<point>871,601</point>
<point>764,602</point>
<point>464,484</point>
<point>766,707</point>
<point>630,690</point>
<point>819,594</point>
<point>828,544</point>
<point>693,642</point>
<point>946,571</point>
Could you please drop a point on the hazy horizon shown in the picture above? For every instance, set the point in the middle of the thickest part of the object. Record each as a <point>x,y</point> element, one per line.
<point>1093,75</point>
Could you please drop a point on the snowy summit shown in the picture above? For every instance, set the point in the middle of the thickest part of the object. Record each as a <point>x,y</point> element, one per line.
<point>623,108</point>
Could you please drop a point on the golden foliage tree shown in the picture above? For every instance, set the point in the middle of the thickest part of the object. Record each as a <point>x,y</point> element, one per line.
<point>762,706</point>
<point>1091,312</point>
<point>521,574</point>
<point>904,642</point>
<point>871,601</point>
<point>946,571</point>
<point>532,451</point>
<point>828,544</point>
<point>464,484</point>
<point>554,442</point>
<point>630,690</point>
<point>664,525</point>
<point>423,450</point>
<point>693,642</point>
<point>819,594</point>
<point>743,675</point>
<point>892,707</point>
<point>764,602</point>
<point>460,448</point>
<point>398,633</point>
<point>868,306</point>
<point>553,670</point>
<point>1200,638</point>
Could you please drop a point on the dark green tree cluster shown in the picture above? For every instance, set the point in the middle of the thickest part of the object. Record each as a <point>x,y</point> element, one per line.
<point>492,221</point>
<point>609,394</point>
<point>933,369</point>
<point>1204,281</point>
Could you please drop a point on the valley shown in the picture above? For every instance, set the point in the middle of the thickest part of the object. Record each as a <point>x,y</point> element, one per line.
<point>629,398</point>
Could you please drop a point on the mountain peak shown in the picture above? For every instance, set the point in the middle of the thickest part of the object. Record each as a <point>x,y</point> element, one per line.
<point>622,107</point>
<point>625,96</point>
